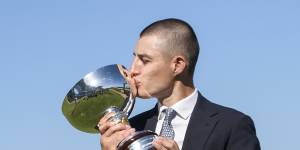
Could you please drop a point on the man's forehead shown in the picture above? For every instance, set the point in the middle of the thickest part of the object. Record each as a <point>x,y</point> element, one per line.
<point>155,41</point>
<point>150,46</point>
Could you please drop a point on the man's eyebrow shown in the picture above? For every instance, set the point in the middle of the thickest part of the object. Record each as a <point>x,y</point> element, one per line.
<point>141,55</point>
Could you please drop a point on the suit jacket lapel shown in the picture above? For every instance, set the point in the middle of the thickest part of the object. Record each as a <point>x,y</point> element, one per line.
<point>152,120</point>
<point>200,125</point>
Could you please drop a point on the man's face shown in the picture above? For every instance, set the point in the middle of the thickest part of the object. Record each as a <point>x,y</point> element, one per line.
<point>152,68</point>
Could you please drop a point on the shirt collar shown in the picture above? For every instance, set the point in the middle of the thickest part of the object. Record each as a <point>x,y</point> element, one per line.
<point>183,106</point>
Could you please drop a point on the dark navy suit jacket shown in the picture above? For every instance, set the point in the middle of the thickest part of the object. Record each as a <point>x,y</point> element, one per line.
<point>211,127</point>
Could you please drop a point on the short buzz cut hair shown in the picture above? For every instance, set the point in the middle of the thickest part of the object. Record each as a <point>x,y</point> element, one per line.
<point>180,37</point>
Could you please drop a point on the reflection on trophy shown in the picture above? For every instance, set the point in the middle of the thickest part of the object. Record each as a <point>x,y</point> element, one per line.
<point>103,91</point>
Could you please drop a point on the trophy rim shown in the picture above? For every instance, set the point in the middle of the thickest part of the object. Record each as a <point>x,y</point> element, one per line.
<point>130,139</point>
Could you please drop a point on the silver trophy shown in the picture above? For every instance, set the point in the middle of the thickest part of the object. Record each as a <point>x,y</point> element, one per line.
<point>97,93</point>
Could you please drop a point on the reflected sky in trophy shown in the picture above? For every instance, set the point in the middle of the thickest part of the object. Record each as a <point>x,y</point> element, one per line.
<point>87,100</point>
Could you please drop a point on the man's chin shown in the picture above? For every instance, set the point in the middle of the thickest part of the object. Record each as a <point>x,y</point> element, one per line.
<point>143,94</point>
<point>143,97</point>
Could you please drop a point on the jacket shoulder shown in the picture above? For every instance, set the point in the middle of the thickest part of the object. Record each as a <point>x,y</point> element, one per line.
<point>226,112</point>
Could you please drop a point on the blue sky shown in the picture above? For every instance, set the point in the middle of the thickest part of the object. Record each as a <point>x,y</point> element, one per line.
<point>249,60</point>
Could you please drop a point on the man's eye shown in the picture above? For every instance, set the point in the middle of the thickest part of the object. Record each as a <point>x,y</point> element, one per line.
<point>145,61</point>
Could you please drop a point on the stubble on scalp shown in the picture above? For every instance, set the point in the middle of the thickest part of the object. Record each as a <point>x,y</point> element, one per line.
<point>171,43</point>
<point>176,38</point>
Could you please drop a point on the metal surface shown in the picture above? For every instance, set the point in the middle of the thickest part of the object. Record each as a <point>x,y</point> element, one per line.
<point>140,140</point>
<point>143,143</point>
<point>103,90</point>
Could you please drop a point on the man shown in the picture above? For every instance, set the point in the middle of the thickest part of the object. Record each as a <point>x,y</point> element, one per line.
<point>164,62</point>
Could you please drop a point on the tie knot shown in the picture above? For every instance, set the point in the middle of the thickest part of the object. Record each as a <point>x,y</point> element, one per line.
<point>170,113</point>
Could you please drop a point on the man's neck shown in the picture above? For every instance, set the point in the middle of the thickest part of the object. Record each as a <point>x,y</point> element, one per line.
<point>178,92</point>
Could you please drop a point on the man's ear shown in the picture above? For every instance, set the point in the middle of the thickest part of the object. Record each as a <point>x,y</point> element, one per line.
<point>179,64</point>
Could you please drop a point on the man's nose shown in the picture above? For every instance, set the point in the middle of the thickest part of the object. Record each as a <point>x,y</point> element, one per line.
<point>134,69</point>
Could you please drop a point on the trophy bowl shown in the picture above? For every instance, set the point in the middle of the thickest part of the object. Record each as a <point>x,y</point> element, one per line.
<point>97,93</point>
<point>104,90</point>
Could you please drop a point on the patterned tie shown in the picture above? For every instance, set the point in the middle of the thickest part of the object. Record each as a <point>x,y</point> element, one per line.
<point>167,129</point>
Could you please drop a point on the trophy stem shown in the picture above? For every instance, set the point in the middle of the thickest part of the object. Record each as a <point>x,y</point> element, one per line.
<point>129,105</point>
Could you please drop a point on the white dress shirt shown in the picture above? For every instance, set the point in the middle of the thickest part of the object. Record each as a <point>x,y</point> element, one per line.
<point>183,109</point>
